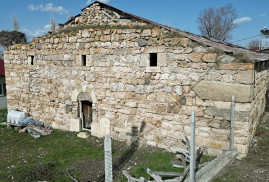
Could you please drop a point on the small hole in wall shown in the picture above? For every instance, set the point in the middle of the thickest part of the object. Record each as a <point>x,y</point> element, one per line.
<point>83,60</point>
<point>153,59</point>
<point>32,60</point>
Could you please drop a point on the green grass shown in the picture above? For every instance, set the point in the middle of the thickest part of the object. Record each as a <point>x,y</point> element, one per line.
<point>206,158</point>
<point>3,115</point>
<point>157,161</point>
<point>48,157</point>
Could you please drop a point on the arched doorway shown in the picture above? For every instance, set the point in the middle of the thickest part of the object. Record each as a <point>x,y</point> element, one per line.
<point>85,108</point>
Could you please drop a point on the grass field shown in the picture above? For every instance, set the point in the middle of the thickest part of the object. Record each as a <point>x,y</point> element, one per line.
<point>56,156</point>
<point>3,115</point>
<point>62,154</point>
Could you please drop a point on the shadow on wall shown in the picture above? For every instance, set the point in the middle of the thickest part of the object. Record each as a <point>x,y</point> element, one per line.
<point>3,102</point>
<point>267,100</point>
<point>127,155</point>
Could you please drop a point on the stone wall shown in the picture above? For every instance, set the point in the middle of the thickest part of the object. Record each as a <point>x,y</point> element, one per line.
<point>96,14</point>
<point>131,98</point>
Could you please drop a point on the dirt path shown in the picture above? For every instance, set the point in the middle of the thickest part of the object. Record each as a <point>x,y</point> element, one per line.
<point>255,167</point>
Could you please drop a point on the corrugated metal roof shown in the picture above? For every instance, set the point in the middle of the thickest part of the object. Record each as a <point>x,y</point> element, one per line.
<point>227,47</point>
<point>2,67</point>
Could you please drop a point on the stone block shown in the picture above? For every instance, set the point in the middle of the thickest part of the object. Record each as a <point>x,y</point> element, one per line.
<point>162,60</point>
<point>236,66</point>
<point>241,148</point>
<point>142,42</point>
<point>195,57</point>
<point>101,129</point>
<point>146,32</point>
<point>83,135</point>
<point>152,97</point>
<point>85,33</point>
<point>132,104</point>
<point>240,140</point>
<point>89,61</point>
<point>213,151</point>
<point>153,69</point>
<point>225,113</point>
<point>219,91</point>
<point>178,90</point>
<point>144,60</point>
<point>226,59</point>
<point>180,57</point>
<point>184,42</point>
<point>172,98</point>
<point>209,57</point>
<point>246,77</point>
<point>152,143</point>
<point>140,89</point>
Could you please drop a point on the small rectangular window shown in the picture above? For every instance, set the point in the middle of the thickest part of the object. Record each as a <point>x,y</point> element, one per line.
<point>32,60</point>
<point>83,60</point>
<point>153,59</point>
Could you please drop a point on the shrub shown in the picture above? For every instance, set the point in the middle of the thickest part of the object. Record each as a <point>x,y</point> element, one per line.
<point>8,38</point>
<point>242,57</point>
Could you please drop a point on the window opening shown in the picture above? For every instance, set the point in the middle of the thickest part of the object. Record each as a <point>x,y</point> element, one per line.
<point>83,59</point>
<point>32,60</point>
<point>153,59</point>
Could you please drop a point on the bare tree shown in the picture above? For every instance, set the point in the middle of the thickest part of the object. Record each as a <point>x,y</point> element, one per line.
<point>52,22</point>
<point>69,15</point>
<point>254,44</point>
<point>15,23</point>
<point>217,23</point>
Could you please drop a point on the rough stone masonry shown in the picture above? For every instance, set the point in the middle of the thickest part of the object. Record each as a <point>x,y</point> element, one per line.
<point>140,80</point>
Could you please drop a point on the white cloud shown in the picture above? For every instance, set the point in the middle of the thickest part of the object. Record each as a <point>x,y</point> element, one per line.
<point>263,15</point>
<point>47,7</point>
<point>37,32</point>
<point>242,20</point>
<point>103,1</point>
<point>89,2</point>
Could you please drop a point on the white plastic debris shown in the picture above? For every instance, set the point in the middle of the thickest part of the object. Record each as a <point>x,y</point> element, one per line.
<point>14,117</point>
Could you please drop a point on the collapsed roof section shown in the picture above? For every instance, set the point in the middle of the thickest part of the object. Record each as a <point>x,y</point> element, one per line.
<point>116,16</point>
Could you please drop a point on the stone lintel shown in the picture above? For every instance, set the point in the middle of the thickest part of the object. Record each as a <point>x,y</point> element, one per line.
<point>220,91</point>
<point>236,66</point>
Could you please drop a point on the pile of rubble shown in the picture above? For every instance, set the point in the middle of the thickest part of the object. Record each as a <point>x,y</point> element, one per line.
<point>34,127</point>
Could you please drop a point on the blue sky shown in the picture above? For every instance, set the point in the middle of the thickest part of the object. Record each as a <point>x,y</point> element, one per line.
<point>34,15</point>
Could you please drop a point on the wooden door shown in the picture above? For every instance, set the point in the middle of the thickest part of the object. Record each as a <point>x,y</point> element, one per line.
<point>87,114</point>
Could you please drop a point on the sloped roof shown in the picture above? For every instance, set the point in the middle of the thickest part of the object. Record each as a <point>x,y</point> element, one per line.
<point>227,47</point>
<point>2,67</point>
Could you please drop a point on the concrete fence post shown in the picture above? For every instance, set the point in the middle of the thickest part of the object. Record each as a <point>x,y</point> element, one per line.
<point>192,148</point>
<point>232,124</point>
<point>108,159</point>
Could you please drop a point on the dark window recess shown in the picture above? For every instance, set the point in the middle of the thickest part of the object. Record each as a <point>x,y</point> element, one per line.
<point>5,90</point>
<point>83,60</point>
<point>153,59</point>
<point>1,89</point>
<point>32,60</point>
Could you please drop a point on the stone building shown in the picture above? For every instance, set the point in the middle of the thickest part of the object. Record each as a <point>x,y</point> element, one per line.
<point>116,73</point>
